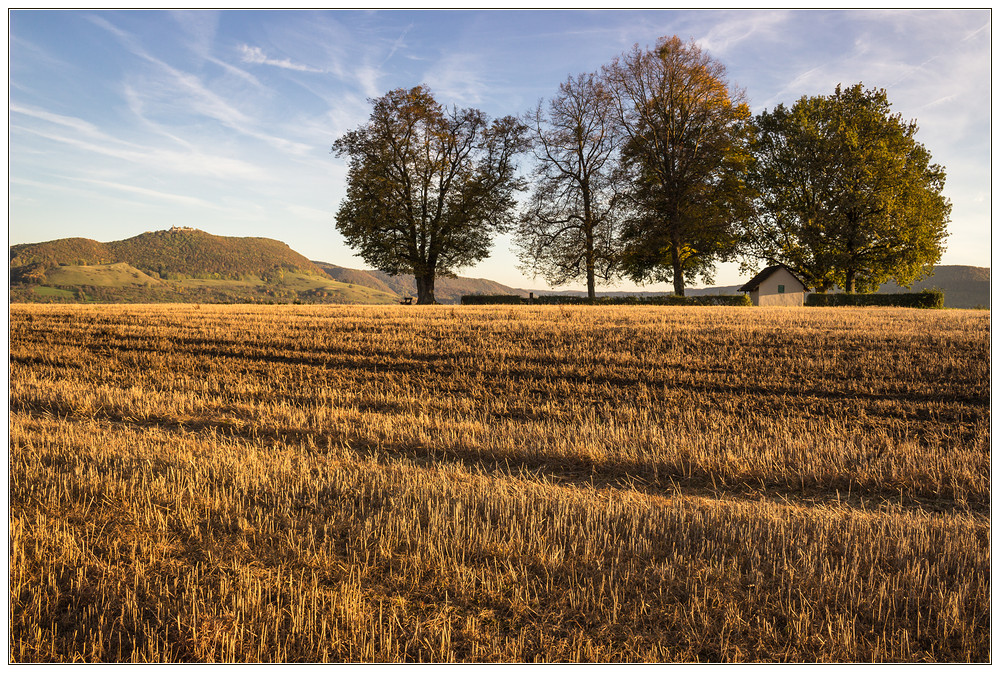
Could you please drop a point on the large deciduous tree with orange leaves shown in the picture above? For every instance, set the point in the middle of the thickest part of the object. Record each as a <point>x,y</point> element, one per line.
<point>686,148</point>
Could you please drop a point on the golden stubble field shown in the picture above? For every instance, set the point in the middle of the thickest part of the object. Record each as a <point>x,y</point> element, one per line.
<point>293,483</point>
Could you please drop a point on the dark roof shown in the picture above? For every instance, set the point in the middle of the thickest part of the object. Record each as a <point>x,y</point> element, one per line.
<point>755,282</point>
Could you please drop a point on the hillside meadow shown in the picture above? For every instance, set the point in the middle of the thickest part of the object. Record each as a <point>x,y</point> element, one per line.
<point>124,284</point>
<point>484,484</point>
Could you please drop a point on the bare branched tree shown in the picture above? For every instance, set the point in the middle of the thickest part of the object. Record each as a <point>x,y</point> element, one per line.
<point>567,231</point>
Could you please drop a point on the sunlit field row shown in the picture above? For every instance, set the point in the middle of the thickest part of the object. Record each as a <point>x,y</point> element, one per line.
<point>294,483</point>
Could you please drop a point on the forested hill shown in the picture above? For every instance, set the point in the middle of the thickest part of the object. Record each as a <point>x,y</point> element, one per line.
<point>174,253</point>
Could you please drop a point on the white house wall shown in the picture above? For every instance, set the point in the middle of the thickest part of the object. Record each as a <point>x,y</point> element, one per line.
<point>767,292</point>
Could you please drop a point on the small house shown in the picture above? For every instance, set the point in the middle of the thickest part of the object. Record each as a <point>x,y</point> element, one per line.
<point>776,286</point>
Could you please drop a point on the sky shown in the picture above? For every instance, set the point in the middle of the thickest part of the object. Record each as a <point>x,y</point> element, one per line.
<point>122,122</point>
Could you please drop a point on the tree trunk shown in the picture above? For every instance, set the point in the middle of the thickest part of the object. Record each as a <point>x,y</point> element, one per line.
<point>425,289</point>
<point>591,280</point>
<point>849,281</point>
<point>851,272</point>
<point>675,258</point>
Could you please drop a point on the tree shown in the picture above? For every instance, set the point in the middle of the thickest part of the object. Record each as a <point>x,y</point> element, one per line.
<point>567,231</point>
<point>846,195</point>
<point>428,187</point>
<point>789,182</point>
<point>686,147</point>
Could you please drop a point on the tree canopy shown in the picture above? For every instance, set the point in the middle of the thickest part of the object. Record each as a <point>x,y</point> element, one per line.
<point>427,187</point>
<point>651,169</point>
<point>686,146</point>
<point>846,195</point>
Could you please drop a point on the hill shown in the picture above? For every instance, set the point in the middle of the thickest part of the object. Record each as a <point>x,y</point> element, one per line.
<point>176,265</point>
<point>189,265</point>
<point>107,275</point>
<point>76,251</point>
<point>354,276</point>
<point>121,283</point>
<point>446,290</point>
<point>179,252</point>
<point>963,286</point>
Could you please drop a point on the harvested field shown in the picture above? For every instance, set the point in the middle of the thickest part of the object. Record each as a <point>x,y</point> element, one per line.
<point>295,483</point>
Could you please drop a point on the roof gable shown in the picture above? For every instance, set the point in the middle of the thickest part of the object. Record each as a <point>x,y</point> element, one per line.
<point>755,282</point>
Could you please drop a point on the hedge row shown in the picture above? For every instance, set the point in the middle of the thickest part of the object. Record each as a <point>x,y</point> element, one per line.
<point>924,299</point>
<point>658,300</point>
<point>493,299</point>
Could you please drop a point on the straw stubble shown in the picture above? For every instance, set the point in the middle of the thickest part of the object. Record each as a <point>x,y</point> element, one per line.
<point>293,483</point>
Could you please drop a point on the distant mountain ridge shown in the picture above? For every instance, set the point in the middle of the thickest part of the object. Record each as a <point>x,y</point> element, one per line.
<point>185,264</point>
<point>963,286</point>
<point>446,290</point>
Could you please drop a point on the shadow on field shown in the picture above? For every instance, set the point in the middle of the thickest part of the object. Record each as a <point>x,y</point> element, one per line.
<point>348,359</point>
<point>652,479</point>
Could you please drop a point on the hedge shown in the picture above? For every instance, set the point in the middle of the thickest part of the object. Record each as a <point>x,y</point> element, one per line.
<point>923,299</point>
<point>493,299</point>
<point>657,300</point>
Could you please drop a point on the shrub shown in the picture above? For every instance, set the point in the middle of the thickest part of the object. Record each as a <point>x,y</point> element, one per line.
<point>30,273</point>
<point>923,299</point>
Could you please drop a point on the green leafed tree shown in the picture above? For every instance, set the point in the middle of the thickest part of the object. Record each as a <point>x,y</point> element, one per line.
<point>685,151</point>
<point>568,228</point>
<point>427,187</point>
<point>846,195</point>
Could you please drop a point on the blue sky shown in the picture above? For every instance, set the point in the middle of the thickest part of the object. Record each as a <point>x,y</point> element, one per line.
<point>122,122</point>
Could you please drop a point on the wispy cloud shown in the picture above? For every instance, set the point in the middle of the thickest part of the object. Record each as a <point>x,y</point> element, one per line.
<point>145,192</point>
<point>725,36</point>
<point>309,213</point>
<point>85,137</point>
<point>77,189</point>
<point>398,44</point>
<point>196,95</point>
<point>27,52</point>
<point>78,125</point>
<point>182,93</point>
<point>257,56</point>
<point>458,78</point>
<point>201,31</point>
